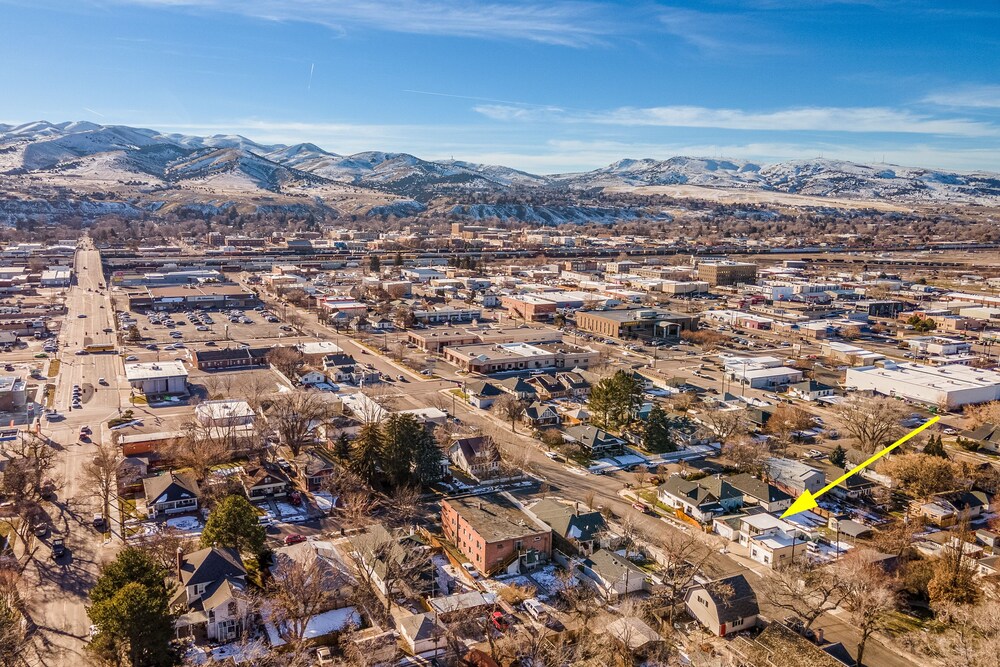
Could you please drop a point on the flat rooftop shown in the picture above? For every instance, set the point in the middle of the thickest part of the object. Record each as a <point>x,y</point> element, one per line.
<point>154,369</point>
<point>496,518</point>
<point>950,377</point>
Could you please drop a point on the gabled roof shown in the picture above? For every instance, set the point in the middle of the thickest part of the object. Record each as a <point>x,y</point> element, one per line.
<point>256,475</point>
<point>983,433</point>
<point>475,447</point>
<point>610,566</point>
<point>592,437</point>
<point>566,521</point>
<point>312,463</point>
<point>516,385</point>
<point>546,382</point>
<point>756,488</point>
<point>171,487</point>
<point>537,411</point>
<point>483,388</point>
<point>210,565</point>
<point>733,598</point>
<point>420,626</point>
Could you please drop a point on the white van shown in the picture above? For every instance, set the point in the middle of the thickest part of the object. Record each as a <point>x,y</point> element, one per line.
<point>535,609</point>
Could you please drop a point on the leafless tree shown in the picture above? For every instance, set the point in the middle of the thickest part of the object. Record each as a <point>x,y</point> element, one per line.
<point>198,449</point>
<point>405,504</point>
<point>747,454</point>
<point>295,416</point>
<point>870,598</point>
<point>725,423</point>
<point>509,408</point>
<point>100,474</point>
<point>386,565</point>
<point>872,421</point>
<point>683,557</point>
<point>287,360</point>
<point>13,626</point>
<point>785,421</point>
<point>357,507</point>
<point>806,590</point>
<point>29,466</point>
<point>299,591</point>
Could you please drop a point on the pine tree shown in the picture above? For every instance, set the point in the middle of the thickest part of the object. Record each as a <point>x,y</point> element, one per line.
<point>343,450</point>
<point>131,610</point>
<point>367,449</point>
<point>657,434</point>
<point>401,435</point>
<point>935,447</point>
<point>838,456</point>
<point>234,523</point>
<point>426,459</point>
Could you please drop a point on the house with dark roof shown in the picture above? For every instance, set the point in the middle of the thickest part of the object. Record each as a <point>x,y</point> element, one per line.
<point>482,394</point>
<point>596,442</point>
<point>547,386</point>
<point>702,499</point>
<point>210,593</point>
<point>518,387</point>
<point>576,384</point>
<point>382,555</point>
<point>810,390</point>
<point>538,414</point>
<point>477,456</point>
<point>947,509</point>
<point>987,436</point>
<point>723,606</point>
<point>313,468</point>
<point>170,493</point>
<point>612,575</point>
<point>758,492</point>
<point>265,481</point>
<point>231,358</point>
<point>777,645</point>
<point>573,531</point>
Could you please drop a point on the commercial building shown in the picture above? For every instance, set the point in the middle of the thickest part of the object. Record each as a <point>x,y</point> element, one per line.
<point>951,385</point>
<point>12,393</point>
<point>495,534</point>
<point>435,340</point>
<point>231,358</point>
<point>160,377</point>
<point>635,323</point>
<point>441,315</point>
<point>530,307</point>
<point>519,356</point>
<point>57,276</point>
<point>727,273</point>
<point>209,295</point>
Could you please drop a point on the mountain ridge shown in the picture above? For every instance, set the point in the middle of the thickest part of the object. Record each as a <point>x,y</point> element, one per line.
<point>40,146</point>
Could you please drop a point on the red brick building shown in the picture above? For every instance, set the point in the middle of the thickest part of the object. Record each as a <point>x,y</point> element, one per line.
<point>495,534</point>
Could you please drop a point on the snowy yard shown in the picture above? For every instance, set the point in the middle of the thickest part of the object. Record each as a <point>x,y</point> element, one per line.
<point>183,526</point>
<point>548,581</point>
<point>319,625</point>
<point>292,514</point>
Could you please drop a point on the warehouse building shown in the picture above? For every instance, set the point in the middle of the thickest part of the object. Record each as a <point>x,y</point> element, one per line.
<point>160,377</point>
<point>951,385</point>
<point>642,323</point>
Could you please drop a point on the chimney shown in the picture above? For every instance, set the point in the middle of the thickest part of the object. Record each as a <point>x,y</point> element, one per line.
<point>819,635</point>
<point>180,561</point>
<point>576,510</point>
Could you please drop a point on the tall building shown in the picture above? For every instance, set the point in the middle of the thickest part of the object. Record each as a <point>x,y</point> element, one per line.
<point>727,273</point>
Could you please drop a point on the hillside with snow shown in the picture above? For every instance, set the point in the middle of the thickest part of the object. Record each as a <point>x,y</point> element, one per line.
<point>77,153</point>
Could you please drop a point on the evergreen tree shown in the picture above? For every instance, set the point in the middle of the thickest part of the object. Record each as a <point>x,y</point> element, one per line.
<point>234,523</point>
<point>426,459</point>
<point>365,453</point>
<point>131,565</point>
<point>657,434</point>
<point>374,264</point>
<point>398,261</point>
<point>838,456</point>
<point>343,450</point>
<point>401,435</point>
<point>935,447</point>
<point>131,610</point>
<point>615,401</point>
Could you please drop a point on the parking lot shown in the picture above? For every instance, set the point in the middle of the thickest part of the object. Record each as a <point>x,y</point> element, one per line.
<point>199,326</point>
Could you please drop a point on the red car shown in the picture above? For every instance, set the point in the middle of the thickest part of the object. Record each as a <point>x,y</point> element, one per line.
<point>294,538</point>
<point>642,507</point>
<point>500,621</point>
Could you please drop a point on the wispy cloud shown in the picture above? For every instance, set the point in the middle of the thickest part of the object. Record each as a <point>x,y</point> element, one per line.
<point>967,97</point>
<point>717,33</point>
<point>574,23</point>
<point>814,119</point>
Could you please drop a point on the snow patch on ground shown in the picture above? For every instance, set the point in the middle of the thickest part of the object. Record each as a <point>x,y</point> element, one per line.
<point>319,625</point>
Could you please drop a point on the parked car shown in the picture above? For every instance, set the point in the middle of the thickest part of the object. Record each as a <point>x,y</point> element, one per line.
<point>500,622</point>
<point>294,538</point>
<point>58,548</point>
<point>642,507</point>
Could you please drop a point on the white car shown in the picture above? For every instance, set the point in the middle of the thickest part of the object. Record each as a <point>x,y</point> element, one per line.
<point>131,357</point>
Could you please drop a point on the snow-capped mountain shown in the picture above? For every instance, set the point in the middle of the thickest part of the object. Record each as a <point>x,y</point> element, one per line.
<point>115,152</point>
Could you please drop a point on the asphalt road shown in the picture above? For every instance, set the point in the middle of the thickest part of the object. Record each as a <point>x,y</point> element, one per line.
<point>56,591</point>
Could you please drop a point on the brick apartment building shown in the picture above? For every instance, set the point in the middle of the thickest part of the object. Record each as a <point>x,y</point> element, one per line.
<point>635,323</point>
<point>495,534</point>
<point>727,273</point>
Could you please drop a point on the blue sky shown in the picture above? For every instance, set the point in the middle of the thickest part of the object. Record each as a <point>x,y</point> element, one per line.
<point>543,86</point>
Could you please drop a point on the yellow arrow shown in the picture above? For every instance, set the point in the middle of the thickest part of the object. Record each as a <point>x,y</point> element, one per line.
<point>807,501</point>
